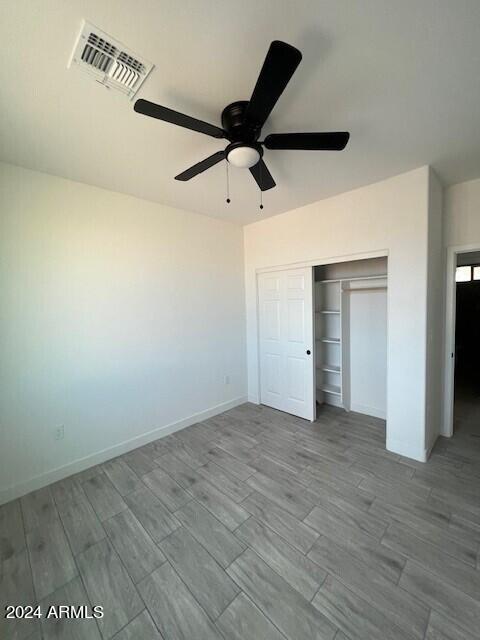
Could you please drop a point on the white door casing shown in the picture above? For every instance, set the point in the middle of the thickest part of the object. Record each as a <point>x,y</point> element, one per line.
<point>286,335</point>
<point>449,336</point>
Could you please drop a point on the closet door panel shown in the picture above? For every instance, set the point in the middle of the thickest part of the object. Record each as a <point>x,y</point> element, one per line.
<point>286,334</point>
<point>295,321</point>
<point>271,340</point>
<point>273,375</point>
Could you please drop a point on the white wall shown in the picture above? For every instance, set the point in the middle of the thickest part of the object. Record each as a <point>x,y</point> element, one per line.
<point>355,269</point>
<point>118,316</point>
<point>391,216</point>
<point>435,313</point>
<point>462,214</point>
<point>368,351</point>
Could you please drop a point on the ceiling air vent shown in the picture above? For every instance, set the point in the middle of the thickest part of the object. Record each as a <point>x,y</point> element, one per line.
<point>109,61</point>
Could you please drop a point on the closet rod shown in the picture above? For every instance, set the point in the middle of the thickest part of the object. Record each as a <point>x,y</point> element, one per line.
<point>382,275</point>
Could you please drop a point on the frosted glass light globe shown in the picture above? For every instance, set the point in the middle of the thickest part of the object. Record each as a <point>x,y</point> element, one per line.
<point>243,157</point>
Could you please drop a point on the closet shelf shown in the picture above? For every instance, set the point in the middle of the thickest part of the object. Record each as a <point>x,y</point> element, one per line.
<point>330,368</point>
<point>331,388</point>
<point>329,340</point>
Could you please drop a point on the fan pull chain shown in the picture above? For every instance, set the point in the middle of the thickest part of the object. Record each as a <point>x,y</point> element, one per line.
<point>261,182</point>
<point>228,184</point>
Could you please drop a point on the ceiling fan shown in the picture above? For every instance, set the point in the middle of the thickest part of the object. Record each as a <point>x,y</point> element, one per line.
<point>242,122</point>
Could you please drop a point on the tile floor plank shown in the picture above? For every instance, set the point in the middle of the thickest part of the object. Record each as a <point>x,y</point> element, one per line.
<point>403,540</point>
<point>277,470</point>
<point>290,499</point>
<point>414,513</point>
<point>154,517</point>
<point>440,628</point>
<point>460,609</point>
<point>184,475</point>
<point>299,571</point>
<point>352,516</point>
<point>103,496</point>
<point>363,546</point>
<point>138,552</point>
<point>242,620</point>
<point>227,483</point>
<point>173,608</point>
<point>12,535</point>
<point>16,588</point>
<point>284,606</point>
<point>210,532</point>
<point>71,594</point>
<point>335,489</point>
<point>355,617</point>
<point>140,628</point>
<point>139,462</point>
<point>394,491</point>
<point>206,579</point>
<point>166,489</point>
<point>238,469</point>
<point>108,583</point>
<point>396,604</point>
<point>81,524</point>
<point>50,558</point>
<point>38,509</point>
<point>189,456</point>
<point>121,476</point>
<point>296,532</point>
<point>220,505</point>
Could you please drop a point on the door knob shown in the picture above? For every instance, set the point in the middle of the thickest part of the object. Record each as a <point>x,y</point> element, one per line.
<point>308,352</point>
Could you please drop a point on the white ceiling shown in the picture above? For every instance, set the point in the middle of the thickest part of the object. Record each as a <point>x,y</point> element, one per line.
<point>401,76</point>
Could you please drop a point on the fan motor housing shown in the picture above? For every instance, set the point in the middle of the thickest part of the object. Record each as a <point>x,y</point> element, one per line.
<point>235,124</point>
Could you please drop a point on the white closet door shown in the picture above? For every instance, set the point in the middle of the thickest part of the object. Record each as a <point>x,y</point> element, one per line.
<point>286,341</point>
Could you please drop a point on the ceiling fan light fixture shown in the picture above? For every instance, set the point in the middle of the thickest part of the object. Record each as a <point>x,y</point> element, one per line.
<point>242,122</point>
<point>243,156</point>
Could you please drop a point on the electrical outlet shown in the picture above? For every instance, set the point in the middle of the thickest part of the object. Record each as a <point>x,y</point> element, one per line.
<point>59,433</point>
<point>226,379</point>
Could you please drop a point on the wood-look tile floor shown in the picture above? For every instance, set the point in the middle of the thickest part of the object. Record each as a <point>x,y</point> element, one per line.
<point>255,525</point>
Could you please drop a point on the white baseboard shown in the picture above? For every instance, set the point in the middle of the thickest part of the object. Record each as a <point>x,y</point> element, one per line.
<point>46,478</point>
<point>253,399</point>
<point>369,411</point>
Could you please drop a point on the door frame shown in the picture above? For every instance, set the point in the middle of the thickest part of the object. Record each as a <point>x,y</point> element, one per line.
<point>449,342</point>
<point>318,262</point>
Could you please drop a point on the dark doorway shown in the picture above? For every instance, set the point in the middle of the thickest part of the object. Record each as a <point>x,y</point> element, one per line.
<point>467,344</point>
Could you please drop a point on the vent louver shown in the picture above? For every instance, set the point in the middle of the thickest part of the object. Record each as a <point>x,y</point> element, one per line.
<point>109,61</point>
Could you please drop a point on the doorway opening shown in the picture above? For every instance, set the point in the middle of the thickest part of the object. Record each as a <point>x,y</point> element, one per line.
<point>466,411</point>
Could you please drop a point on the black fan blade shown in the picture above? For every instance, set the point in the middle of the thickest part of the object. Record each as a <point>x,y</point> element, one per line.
<point>168,115</point>
<point>262,175</point>
<point>279,66</point>
<point>201,166</point>
<point>334,141</point>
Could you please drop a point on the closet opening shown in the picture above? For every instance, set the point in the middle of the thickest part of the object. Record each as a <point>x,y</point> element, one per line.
<point>350,330</point>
